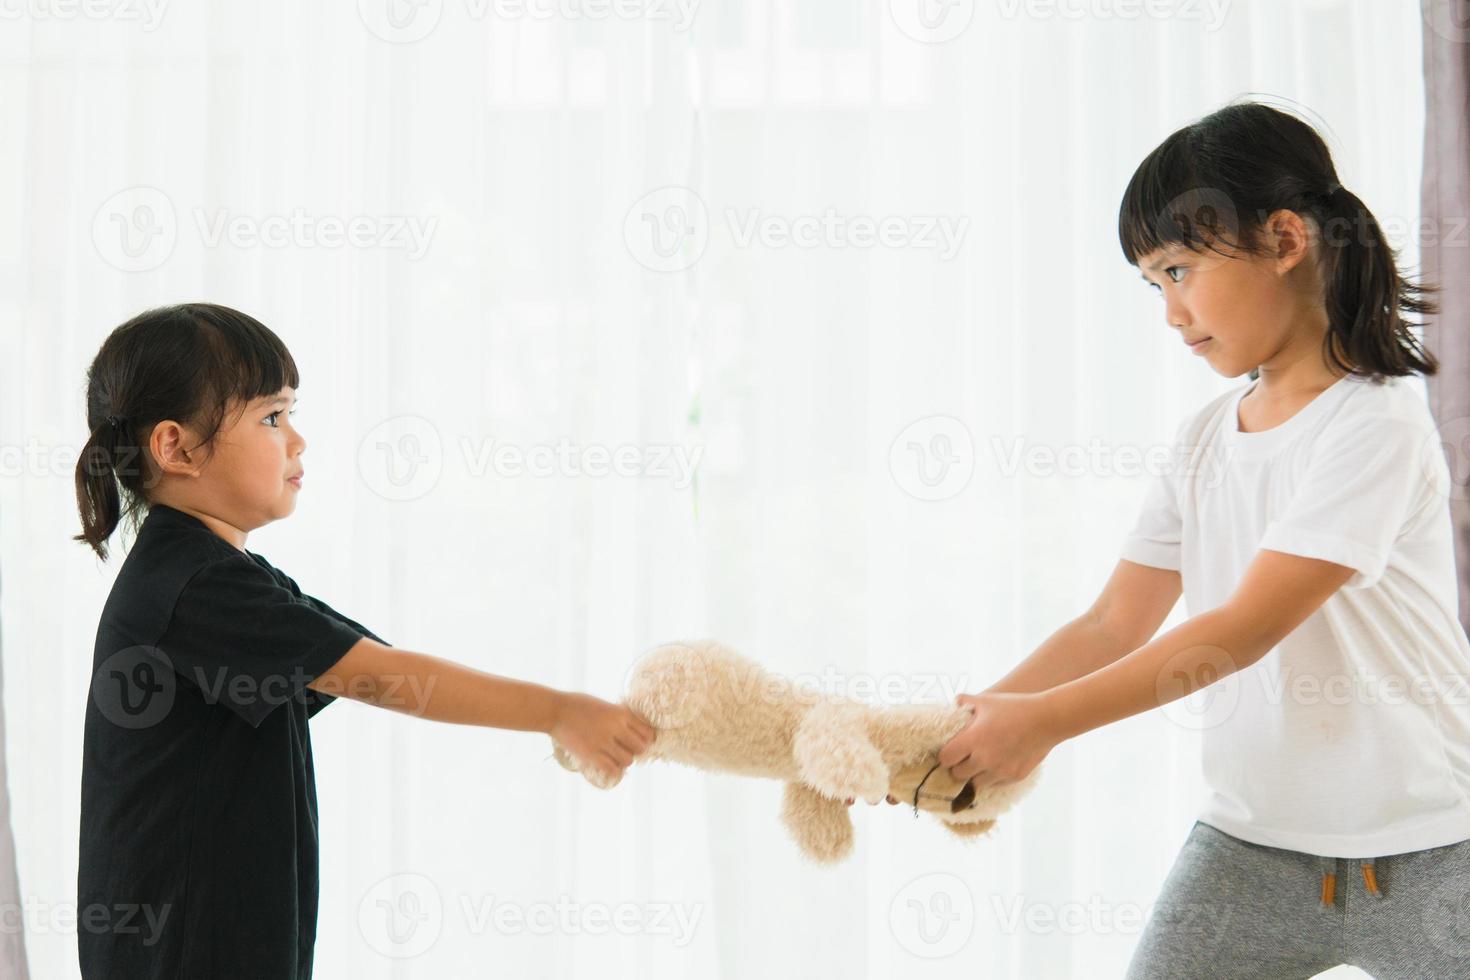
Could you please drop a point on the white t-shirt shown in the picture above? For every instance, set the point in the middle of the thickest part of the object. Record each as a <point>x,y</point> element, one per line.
<point>1351,737</point>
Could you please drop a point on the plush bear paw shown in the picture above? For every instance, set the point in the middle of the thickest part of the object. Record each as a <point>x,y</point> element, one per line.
<point>821,825</point>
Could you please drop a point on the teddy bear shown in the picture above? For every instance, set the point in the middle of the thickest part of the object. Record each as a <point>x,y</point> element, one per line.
<point>714,709</point>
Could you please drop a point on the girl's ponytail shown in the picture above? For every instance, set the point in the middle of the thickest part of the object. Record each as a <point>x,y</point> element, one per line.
<point>1367,297</point>
<point>99,501</point>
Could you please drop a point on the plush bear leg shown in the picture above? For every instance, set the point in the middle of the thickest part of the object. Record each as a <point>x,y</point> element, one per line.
<point>821,825</point>
<point>835,756</point>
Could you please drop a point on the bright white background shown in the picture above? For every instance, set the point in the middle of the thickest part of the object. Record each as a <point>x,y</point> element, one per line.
<point>828,391</point>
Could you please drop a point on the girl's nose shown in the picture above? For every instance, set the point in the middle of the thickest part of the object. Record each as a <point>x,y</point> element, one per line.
<point>1176,315</point>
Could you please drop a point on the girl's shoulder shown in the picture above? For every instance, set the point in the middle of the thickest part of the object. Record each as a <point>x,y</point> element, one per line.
<point>169,550</point>
<point>1389,404</point>
<point>1199,424</point>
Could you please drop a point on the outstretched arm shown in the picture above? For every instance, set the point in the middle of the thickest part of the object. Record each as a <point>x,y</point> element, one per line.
<point>424,686</point>
<point>1011,733</point>
<point>1276,594</point>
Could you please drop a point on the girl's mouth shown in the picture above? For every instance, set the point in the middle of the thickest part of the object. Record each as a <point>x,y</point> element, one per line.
<point>1198,344</point>
<point>295,481</point>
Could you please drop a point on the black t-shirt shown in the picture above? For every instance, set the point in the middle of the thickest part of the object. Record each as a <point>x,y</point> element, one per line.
<point>199,821</point>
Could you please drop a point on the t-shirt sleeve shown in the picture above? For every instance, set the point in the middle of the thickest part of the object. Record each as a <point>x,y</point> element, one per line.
<point>1359,488</point>
<point>245,641</point>
<point>317,700</point>
<point>1158,529</point>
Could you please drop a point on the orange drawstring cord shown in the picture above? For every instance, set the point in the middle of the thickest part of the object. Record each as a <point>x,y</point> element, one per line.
<point>1370,883</point>
<point>1370,880</point>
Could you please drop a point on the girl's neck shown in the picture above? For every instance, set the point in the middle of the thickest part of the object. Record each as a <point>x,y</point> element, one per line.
<point>231,534</point>
<point>1284,383</point>
<point>1300,368</point>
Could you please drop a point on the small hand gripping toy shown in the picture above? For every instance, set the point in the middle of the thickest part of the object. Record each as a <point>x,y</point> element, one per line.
<point>716,710</point>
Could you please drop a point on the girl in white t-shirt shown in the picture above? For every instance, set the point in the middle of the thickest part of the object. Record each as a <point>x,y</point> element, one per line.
<point>1306,523</point>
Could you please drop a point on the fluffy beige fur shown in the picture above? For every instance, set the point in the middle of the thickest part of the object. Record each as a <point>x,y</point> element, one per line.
<point>719,711</point>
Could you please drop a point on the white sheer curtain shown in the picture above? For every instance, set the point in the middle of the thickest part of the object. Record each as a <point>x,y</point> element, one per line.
<point>897,290</point>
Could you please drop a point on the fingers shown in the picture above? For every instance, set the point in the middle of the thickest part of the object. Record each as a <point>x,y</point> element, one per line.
<point>637,734</point>
<point>965,769</point>
<point>610,767</point>
<point>980,778</point>
<point>952,753</point>
<point>630,744</point>
<point>641,728</point>
<point>956,749</point>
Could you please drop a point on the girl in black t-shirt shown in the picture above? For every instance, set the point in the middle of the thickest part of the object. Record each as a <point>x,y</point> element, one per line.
<point>198,849</point>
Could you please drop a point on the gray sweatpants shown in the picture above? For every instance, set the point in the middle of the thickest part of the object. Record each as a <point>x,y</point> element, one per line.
<point>1233,910</point>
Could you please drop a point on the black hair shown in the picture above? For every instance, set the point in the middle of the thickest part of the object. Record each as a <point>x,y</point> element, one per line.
<point>1218,179</point>
<point>185,363</point>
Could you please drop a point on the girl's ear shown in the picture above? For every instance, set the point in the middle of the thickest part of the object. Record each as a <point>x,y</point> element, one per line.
<point>1289,238</point>
<point>175,449</point>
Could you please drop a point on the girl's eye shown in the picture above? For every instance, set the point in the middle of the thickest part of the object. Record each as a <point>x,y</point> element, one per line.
<point>271,418</point>
<point>1173,268</point>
